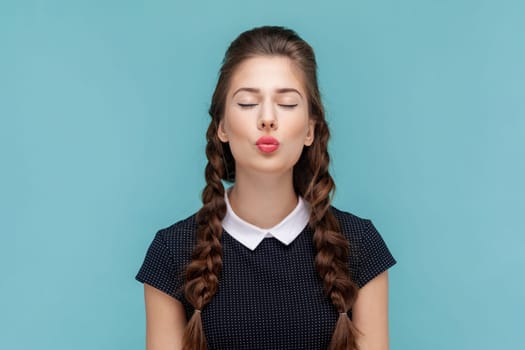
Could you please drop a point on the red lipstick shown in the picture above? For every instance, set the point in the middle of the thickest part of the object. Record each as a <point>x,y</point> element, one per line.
<point>267,144</point>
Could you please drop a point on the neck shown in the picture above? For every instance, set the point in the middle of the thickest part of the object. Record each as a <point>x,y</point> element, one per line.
<point>262,200</point>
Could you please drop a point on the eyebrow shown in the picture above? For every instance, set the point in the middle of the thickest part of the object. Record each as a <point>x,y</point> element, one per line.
<point>257,91</point>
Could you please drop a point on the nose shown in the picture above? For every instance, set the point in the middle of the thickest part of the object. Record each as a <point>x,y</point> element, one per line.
<point>267,120</point>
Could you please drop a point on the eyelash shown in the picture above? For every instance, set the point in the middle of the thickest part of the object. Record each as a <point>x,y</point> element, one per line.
<point>250,105</point>
<point>245,105</point>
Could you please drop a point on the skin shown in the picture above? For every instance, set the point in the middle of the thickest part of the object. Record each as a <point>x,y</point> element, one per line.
<point>263,193</point>
<point>257,105</point>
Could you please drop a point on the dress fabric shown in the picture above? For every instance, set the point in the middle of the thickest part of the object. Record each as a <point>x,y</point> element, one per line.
<point>270,297</point>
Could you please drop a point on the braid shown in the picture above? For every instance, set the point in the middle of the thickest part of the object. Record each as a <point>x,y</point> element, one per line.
<point>332,247</point>
<point>202,273</point>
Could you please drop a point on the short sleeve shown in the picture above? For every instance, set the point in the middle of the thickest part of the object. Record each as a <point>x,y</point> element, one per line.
<point>158,269</point>
<point>374,255</point>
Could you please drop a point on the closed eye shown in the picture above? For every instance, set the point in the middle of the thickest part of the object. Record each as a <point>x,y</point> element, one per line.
<point>247,105</point>
<point>289,106</point>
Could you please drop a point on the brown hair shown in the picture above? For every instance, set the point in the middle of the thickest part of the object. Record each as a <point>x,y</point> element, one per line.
<point>311,180</point>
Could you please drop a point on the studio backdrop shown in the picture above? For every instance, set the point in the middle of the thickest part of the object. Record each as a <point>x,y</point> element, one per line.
<point>103,108</point>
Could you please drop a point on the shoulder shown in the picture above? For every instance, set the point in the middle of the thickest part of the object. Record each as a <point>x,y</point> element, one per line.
<point>359,231</point>
<point>369,254</point>
<point>183,229</point>
<point>179,238</point>
<point>352,226</point>
<point>166,258</point>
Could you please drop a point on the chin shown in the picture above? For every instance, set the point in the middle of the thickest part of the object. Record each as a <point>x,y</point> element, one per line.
<point>269,168</point>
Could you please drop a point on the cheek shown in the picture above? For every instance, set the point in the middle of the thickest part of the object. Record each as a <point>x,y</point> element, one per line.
<point>236,125</point>
<point>295,127</point>
<point>239,128</point>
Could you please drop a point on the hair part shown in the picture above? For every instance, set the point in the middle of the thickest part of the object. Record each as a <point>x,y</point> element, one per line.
<point>311,180</point>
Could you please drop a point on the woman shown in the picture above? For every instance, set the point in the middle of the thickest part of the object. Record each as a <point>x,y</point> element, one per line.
<point>267,263</point>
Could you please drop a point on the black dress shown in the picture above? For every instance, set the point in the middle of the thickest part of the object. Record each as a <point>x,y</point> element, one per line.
<point>271,297</point>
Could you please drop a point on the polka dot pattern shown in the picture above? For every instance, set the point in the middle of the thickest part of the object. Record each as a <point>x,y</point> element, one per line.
<point>269,298</point>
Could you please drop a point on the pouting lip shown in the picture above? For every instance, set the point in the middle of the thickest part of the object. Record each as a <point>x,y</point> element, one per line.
<point>267,140</point>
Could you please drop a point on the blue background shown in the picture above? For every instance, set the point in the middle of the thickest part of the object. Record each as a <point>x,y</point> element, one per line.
<point>103,109</point>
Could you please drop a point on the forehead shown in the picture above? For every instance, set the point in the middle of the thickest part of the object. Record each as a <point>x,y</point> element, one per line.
<point>267,73</point>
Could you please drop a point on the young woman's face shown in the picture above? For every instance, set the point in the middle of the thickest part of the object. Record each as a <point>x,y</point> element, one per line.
<point>266,120</point>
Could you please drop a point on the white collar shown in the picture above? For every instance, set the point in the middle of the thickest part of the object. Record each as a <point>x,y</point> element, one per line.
<point>250,235</point>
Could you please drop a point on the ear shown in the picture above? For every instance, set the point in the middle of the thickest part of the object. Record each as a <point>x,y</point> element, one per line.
<point>221,132</point>
<point>310,133</point>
